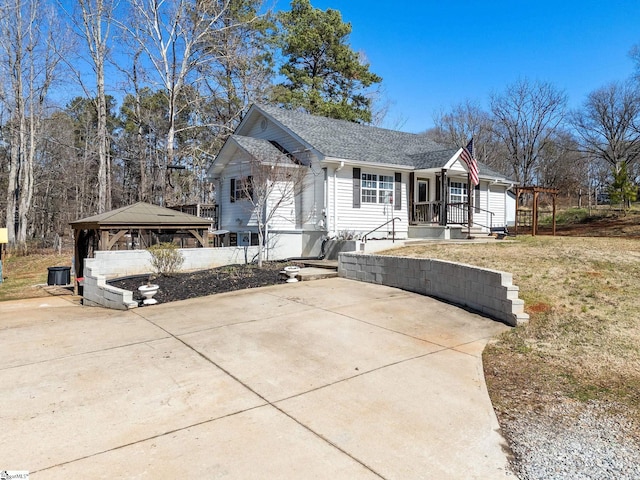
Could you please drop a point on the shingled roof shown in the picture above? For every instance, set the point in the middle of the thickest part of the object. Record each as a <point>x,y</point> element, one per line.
<point>352,141</point>
<point>344,140</point>
<point>141,215</point>
<point>259,148</point>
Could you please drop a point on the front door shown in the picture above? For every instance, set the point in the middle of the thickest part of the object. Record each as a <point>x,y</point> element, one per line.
<point>424,210</point>
<point>423,190</point>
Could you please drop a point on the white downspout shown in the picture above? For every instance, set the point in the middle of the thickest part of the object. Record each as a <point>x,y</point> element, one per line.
<point>335,197</point>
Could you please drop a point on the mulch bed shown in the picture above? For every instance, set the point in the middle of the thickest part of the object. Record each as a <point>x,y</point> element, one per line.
<point>181,286</point>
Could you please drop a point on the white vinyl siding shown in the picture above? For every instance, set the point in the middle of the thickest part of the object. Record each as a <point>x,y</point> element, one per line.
<point>284,216</point>
<point>369,215</point>
<point>238,214</point>
<point>497,204</point>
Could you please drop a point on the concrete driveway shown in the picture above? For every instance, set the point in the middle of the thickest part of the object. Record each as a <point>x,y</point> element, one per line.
<point>330,379</point>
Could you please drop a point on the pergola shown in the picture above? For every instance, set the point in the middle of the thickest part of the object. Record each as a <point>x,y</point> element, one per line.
<point>536,191</point>
<point>134,227</point>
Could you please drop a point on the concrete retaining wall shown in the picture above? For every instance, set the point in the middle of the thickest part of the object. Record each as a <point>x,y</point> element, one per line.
<point>490,292</point>
<point>97,293</point>
<point>122,263</point>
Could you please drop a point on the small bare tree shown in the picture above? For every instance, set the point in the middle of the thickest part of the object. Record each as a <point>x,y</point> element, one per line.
<point>271,187</point>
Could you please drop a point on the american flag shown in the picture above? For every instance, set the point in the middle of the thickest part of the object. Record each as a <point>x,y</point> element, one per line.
<point>469,159</point>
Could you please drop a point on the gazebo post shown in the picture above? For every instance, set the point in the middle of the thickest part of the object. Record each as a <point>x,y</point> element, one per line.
<point>76,261</point>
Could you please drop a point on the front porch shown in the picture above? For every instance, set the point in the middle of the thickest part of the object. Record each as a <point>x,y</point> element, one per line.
<point>437,232</point>
<point>438,220</point>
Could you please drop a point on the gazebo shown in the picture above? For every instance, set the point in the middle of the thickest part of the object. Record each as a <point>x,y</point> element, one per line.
<point>133,227</point>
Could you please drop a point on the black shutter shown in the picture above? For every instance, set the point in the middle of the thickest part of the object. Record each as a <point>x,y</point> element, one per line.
<point>398,192</point>
<point>232,194</point>
<point>356,188</point>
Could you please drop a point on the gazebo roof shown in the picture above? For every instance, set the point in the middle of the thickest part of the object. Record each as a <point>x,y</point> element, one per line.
<point>142,215</point>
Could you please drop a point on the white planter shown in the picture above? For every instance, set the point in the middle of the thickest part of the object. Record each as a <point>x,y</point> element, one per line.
<point>148,291</point>
<point>292,272</point>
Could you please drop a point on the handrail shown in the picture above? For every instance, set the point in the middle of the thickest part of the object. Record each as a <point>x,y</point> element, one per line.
<point>462,208</point>
<point>393,229</point>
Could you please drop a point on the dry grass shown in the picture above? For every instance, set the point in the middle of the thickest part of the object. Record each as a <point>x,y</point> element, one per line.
<point>23,274</point>
<point>583,338</point>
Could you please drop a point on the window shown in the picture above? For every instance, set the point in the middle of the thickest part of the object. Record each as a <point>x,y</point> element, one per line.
<point>377,188</point>
<point>241,189</point>
<point>458,192</point>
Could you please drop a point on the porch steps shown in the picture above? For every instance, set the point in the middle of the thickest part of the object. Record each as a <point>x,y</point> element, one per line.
<point>316,273</point>
<point>317,270</point>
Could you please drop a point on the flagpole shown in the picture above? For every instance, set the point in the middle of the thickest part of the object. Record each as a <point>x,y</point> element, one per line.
<point>472,177</point>
<point>469,213</point>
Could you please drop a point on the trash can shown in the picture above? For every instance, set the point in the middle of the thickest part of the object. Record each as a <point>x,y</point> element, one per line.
<point>59,276</point>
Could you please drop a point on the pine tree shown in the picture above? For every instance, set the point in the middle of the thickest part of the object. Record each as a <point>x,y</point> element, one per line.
<point>324,76</point>
<point>622,189</point>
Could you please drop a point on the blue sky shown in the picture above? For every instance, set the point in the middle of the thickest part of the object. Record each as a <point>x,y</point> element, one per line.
<point>434,54</point>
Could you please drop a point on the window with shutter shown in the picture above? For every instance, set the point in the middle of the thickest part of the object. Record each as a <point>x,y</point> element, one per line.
<point>356,188</point>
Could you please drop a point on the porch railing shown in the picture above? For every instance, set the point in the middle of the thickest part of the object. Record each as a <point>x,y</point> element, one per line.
<point>457,214</point>
<point>426,212</point>
<point>202,210</point>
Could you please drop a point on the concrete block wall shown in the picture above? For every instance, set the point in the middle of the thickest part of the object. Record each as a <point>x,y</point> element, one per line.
<point>122,263</point>
<point>96,291</point>
<point>490,292</point>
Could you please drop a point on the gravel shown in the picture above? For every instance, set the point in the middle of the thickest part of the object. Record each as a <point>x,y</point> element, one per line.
<point>573,440</point>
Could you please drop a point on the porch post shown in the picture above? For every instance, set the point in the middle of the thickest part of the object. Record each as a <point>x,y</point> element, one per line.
<point>412,217</point>
<point>444,195</point>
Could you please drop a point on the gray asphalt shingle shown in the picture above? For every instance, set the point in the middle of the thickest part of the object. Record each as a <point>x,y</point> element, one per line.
<point>346,140</point>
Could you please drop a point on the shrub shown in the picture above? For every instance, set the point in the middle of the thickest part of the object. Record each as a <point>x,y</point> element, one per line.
<point>165,258</point>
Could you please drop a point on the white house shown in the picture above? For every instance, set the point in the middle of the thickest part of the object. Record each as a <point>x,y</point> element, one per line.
<point>358,180</point>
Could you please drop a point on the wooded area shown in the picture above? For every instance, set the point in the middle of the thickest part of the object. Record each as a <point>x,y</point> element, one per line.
<point>105,103</point>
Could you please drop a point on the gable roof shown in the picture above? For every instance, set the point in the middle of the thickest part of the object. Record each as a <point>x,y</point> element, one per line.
<point>346,140</point>
<point>142,214</point>
<point>436,159</point>
<point>260,149</point>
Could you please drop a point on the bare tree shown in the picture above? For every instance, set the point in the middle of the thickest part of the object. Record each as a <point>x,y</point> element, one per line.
<point>525,118</point>
<point>271,187</point>
<point>608,124</point>
<point>173,34</point>
<point>563,166</point>
<point>27,38</point>
<point>242,66</point>
<point>468,120</point>
<point>97,18</point>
